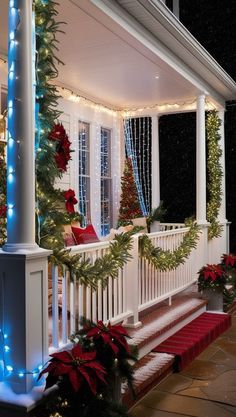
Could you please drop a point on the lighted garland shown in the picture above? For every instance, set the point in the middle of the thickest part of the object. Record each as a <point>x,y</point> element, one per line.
<point>165,259</point>
<point>214,171</point>
<point>108,265</point>
<point>53,154</point>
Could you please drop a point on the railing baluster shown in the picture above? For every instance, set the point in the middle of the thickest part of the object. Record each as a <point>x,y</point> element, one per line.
<point>72,305</point>
<point>64,307</point>
<point>55,317</point>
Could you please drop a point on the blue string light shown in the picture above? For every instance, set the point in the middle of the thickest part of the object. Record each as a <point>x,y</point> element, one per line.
<point>9,370</point>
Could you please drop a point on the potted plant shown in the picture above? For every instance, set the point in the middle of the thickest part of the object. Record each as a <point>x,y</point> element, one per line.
<point>212,279</point>
<point>155,217</point>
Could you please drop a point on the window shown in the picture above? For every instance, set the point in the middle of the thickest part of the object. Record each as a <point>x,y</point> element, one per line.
<point>106,182</point>
<point>84,171</point>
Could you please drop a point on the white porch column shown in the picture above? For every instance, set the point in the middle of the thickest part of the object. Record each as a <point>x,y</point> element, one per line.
<point>201,179</point>
<point>155,163</point>
<point>222,211</point>
<point>21,170</point>
<point>23,265</point>
<point>201,162</point>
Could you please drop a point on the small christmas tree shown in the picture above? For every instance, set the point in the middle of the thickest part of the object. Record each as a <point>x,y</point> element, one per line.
<point>129,203</point>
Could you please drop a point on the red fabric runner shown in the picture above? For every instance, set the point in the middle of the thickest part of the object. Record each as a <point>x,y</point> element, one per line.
<point>193,338</point>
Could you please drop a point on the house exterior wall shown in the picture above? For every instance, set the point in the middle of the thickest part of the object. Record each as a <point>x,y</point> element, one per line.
<point>96,117</point>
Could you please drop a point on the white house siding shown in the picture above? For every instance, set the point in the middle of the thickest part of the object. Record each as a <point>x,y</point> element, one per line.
<point>97,117</point>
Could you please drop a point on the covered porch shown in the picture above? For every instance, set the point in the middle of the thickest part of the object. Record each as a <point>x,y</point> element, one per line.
<point>122,61</point>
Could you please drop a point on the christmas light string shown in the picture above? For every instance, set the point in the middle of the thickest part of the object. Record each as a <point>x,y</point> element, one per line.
<point>8,368</point>
<point>132,155</point>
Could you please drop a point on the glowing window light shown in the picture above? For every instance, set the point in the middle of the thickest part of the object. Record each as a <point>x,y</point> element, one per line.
<point>6,348</point>
<point>12,3</point>
<point>9,368</point>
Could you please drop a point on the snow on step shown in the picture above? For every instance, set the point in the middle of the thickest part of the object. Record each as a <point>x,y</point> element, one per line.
<point>149,369</point>
<point>157,325</point>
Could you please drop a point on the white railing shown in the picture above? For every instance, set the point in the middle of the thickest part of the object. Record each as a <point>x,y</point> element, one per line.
<point>155,285</point>
<point>138,287</point>
<point>71,300</point>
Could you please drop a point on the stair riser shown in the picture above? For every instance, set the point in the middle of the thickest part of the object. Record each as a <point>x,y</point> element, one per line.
<point>145,349</point>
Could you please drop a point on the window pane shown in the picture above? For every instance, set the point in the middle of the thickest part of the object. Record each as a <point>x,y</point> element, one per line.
<point>106,204</point>
<point>84,171</point>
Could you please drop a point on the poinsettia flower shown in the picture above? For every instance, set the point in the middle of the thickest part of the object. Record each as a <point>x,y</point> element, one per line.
<point>79,366</point>
<point>114,336</point>
<point>58,132</point>
<point>212,271</point>
<point>229,260</point>
<point>70,200</point>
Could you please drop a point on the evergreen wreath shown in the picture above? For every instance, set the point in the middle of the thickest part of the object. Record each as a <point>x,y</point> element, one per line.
<point>214,171</point>
<point>165,259</point>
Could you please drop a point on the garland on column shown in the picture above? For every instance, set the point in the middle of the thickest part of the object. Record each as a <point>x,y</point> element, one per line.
<point>214,171</point>
<point>165,259</point>
<point>54,207</point>
<point>52,143</point>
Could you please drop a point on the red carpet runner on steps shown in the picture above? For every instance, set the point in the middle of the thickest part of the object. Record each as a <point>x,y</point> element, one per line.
<point>193,338</point>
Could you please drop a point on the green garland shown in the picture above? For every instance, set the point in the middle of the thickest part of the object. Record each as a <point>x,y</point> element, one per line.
<point>165,259</point>
<point>103,268</point>
<point>50,202</point>
<point>214,171</point>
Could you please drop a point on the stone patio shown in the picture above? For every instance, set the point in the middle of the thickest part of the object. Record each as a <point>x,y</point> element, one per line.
<point>206,388</point>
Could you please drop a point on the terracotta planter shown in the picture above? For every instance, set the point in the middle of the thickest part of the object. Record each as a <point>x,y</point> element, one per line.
<point>215,299</point>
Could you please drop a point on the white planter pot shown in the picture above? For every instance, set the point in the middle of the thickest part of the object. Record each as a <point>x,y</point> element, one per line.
<point>215,299</point>
<point>155,226</point>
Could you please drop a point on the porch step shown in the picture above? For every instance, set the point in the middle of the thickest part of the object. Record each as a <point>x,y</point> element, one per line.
<point>147,373</point>
<point>164,322</point>
<point>193,338</point>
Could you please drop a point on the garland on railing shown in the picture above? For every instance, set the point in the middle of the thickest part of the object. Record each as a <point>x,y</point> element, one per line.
<point>165,259</point>
<point>215,173</point>
<point>104,267</point>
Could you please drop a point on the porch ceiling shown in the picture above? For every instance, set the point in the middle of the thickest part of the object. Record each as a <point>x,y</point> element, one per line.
<point>106,63</point>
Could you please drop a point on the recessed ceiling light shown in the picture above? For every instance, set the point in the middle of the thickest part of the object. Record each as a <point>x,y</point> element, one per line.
<point>156,76</point>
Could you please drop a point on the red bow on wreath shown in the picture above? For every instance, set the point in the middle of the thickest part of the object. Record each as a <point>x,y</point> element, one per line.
<point>70,200</point>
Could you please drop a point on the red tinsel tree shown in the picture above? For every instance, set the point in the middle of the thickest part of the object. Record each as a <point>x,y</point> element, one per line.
<point>129,203</point>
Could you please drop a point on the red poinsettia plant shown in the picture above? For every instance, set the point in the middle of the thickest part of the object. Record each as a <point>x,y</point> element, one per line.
<point>114,337</point>
<point>212,276</point>
<point>75,369</point>
<point>229,260</point>
<point>63,150</point>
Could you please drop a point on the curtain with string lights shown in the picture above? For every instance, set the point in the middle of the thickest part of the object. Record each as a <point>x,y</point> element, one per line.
<point>138,148</point>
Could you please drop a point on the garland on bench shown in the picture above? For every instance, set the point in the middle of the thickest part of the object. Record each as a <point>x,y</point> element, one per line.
<point>165,259</point>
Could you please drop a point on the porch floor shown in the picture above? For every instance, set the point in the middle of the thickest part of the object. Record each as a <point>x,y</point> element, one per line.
<point>206,387</point>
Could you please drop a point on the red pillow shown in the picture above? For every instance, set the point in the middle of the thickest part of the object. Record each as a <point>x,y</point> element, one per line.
<point>85,235</point>
<point>69,239</point>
